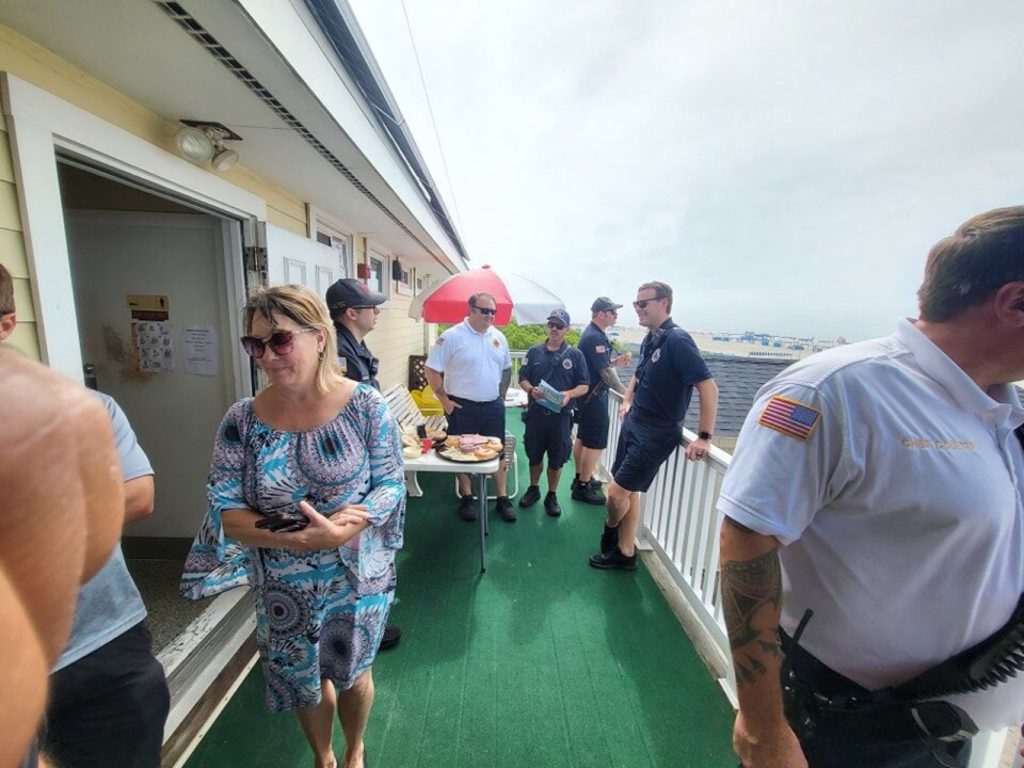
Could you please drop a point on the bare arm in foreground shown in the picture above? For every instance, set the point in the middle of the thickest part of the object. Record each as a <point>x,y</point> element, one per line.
<point>62,513</point>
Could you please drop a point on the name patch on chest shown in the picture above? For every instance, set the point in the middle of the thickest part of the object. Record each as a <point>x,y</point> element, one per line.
<point>656,356</point>
<point>601,349</point>
<point>790,417</point>
<point>938,445</point>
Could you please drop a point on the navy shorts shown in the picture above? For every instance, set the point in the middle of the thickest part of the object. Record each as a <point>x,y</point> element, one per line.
<point>549,433</point>
<point>475,418</point>
<point>592,429</point>
<point>641,450</point>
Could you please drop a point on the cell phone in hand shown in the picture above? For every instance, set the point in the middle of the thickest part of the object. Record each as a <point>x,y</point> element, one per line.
<point>285,519</point>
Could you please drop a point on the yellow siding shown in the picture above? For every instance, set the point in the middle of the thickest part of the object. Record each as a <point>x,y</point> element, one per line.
<point>12,256</point>
<point>31,62</point>
<point>395,338</point>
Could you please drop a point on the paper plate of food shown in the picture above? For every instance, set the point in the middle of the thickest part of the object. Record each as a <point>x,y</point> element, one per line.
<point>469,449</point>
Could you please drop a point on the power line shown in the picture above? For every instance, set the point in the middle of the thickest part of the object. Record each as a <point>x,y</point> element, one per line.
<point>430,111</point>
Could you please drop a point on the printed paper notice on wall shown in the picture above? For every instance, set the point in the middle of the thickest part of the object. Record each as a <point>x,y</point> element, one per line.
<point>201,355</point>
<point>152,347</point>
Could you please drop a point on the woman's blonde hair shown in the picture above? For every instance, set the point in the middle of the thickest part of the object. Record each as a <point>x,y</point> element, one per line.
<point>307,310</point>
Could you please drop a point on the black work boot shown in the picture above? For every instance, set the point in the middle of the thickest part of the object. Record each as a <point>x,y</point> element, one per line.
<point>505,509</point>
<point>531,497</point>
<point>614,560</point>
<point>590,493</point>
<point>551,504</point>
<point>609,539</point>
<point>468,508</point>
<point>575,483</point>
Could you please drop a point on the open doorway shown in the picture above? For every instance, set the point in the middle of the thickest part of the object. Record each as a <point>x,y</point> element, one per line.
<point>154,293</point>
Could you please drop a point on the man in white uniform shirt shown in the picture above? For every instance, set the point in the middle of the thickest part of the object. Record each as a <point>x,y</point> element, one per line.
<point>470,369</point>
<point>879,485</point>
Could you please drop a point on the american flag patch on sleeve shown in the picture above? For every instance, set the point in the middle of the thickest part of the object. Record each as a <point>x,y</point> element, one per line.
<point>790,417</point>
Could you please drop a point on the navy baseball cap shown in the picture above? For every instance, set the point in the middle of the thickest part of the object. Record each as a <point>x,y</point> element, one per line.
<point>350,292</point>
<point>560,315</point>
<point>604,304</point>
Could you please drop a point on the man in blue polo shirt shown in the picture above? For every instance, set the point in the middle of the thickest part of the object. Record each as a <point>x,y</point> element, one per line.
<point>592,416</point>
<point>548,429</point>
<point>653,410</point>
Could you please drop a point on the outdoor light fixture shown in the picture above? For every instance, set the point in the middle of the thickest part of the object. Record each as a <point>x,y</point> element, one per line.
<point>201,141</point>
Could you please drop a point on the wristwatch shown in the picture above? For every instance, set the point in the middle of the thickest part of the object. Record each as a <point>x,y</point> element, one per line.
<point>704,435</point>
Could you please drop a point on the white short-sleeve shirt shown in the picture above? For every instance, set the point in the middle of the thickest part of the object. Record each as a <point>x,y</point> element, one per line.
<point>894,484</point>
<point>472,363</point>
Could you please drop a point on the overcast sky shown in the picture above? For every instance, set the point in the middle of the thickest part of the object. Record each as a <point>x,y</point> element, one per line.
<point>785,165</point>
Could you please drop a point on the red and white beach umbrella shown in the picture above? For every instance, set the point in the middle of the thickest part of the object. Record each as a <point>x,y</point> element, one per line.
<point>517,296</point>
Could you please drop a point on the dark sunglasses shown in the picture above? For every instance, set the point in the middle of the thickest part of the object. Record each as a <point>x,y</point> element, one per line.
<point>279,341</point>
<point>486,311</point>
<point>556,326</point>
<point>641,303</point>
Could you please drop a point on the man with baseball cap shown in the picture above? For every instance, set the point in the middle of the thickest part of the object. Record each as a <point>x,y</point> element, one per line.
<point>354,309</point>
<point>548,428</point>
<point>592,416</point>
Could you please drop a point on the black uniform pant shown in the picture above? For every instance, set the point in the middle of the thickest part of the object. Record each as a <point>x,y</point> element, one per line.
<point>107,710</point>
<point>839,740</point>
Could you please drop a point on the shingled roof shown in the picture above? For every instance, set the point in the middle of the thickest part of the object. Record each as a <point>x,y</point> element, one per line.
<point>738,379</point>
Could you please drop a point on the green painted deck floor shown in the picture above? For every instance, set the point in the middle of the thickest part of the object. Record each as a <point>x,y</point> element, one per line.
<point>541,661</point>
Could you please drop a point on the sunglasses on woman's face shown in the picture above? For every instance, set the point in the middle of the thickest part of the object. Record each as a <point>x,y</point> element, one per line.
<point>486,310</point>
<point>556,326</point>
<point>279,341</point>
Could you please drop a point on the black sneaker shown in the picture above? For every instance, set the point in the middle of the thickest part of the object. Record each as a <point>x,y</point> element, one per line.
<point>575,483</point>
<point>551,505</point>
<point>468,508</point>
<point>609,540</point>
<point>589,493</point>
<point>392,634</point>
<point>505,509</point>
<point>613,560</point>
<point>531,497</point>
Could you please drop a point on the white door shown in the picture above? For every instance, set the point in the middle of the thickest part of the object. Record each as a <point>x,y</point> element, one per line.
<point>292,258</point>
<point>175,412</point>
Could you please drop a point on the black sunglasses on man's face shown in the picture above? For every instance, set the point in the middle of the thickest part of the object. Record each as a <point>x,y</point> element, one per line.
<point>556,326</point>
<point>486,310</point>
<point>641,303</point>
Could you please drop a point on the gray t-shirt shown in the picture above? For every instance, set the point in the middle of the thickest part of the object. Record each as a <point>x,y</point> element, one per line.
<point>109,604</point>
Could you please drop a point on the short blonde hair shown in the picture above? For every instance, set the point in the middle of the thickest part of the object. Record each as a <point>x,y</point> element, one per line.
<point>307,310</point>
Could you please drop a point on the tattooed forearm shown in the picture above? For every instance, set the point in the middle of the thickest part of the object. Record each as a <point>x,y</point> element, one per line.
<point>751,588</point>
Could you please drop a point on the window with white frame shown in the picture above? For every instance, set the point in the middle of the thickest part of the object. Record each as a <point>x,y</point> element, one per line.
<point>326,231</point>
<point>404,278</point>
<point>378,279</point>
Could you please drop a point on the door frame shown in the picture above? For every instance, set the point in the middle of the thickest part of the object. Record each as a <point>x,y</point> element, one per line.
<point>41,127</point>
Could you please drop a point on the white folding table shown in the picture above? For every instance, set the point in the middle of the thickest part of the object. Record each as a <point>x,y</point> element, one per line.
<point>431,462</point>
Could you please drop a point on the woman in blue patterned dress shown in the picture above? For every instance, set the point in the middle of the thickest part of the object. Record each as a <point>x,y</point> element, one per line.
<point>306,506</point>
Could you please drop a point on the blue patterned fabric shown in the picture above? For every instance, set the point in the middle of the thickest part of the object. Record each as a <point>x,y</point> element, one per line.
<point>319,614</point>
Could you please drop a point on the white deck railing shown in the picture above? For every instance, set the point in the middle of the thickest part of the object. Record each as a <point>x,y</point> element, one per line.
<point>680,526</point>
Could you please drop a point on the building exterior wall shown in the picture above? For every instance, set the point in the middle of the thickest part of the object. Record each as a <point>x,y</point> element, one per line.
<point>33,63</point>
<point>12,252</point>
<point>396,336</point>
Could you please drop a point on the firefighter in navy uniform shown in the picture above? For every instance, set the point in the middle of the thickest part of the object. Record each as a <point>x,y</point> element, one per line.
<point>549,431</point>
<point>652,412</point>
<point>354,308</point>
<point>592,415</point>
